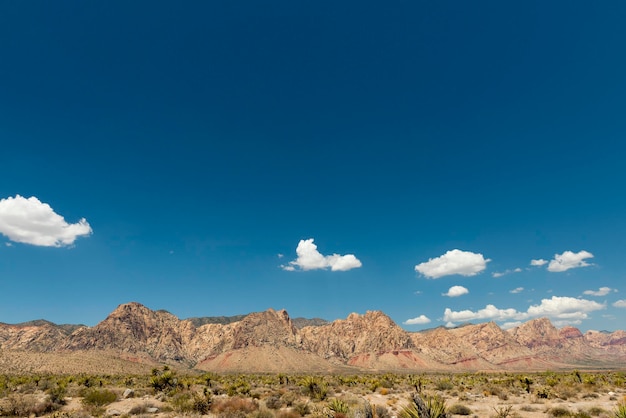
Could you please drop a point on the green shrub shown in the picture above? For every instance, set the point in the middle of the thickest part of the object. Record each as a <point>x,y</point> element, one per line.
<point>338,406</point>
<point>99,397</point>
<point>620,410</point>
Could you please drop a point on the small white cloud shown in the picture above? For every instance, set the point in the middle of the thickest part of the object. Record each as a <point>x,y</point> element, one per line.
<point>279,255</point>
<point>456,291</point>
<point>422,319</point>
<point>489,312</point>
<point>517,290</point>
<point>311,259</point>
<point>505,272</point>
<point>603,291</point>
<point>539,262</point>
<point>455,261</point>
<point>569,260</point>
<point>620,303</point>
<point>30,221</point>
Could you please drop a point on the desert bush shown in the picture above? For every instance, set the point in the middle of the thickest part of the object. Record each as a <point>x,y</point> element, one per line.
<point>503,411</point>
<point>98,397</point>
<point>444,384</point>
<point>458,409</point>
<point>543,392</point>
<point>187,401</point>
<point>314,387</point>
<point>234,405</point>
<point>559,411</point>
<point>163,381</point>
<point>528,408</point>
<point>338,406</point>
<point>595,411</point>
<point>274,402</point>
<point>302,408</point>
<point>432,407</point>
<point>262,413</point>
<point>24,405</point>
<point>57,394</point>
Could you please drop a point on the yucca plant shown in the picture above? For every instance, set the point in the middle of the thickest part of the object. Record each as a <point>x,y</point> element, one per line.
<point>432,407</point>
<point>620,410</point>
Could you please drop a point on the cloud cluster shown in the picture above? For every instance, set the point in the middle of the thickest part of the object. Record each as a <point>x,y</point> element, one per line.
<point>422,319</point>
<point>455,261</point>
<point>30,221</point>
<point>569,260</point>
<point>603,291</point>
<point>309,258</point>
<point>567,309</point>
<point>456,291</point>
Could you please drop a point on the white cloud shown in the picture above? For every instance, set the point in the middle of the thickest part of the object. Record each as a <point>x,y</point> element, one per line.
<point>620,303</point>
<point>489,312</point>
<point>539,262</point>
<point>456,291</point>
<point>569,260</point>
<point>422,319</point>
<point>603,291</point>
<point>516,290</point>
<point>311,259</point>
<point>565,309</point>
<point>30,221</point>
<point>509,325</point>
<point>505,272</point>
<point>460,262</point>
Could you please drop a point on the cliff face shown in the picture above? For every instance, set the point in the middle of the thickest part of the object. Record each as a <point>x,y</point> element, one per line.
<point>133,328</point>
<point>341,340</point>
<point>269,341</point>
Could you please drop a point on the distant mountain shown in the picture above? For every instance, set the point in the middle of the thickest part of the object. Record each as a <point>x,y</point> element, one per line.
<point>270,341</point>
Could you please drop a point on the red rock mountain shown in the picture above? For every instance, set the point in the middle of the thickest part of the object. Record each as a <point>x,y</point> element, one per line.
<point>269,341</point>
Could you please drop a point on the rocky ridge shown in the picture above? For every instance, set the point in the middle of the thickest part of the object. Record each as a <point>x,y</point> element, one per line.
<point>270,341</point>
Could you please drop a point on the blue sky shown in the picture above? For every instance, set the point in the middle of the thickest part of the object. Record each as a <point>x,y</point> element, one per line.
<point>219,158</point>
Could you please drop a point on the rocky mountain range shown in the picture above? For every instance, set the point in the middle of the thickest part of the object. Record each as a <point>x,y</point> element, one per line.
<point>270,341</point>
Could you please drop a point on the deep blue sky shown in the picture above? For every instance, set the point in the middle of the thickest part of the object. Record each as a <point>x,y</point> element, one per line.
<point>201,140</point>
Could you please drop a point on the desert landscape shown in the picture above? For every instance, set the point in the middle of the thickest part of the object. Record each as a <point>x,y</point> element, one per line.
<point>264,365</point>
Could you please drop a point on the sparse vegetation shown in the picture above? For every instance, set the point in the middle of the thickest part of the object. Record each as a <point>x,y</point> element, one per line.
<point>184,393</point>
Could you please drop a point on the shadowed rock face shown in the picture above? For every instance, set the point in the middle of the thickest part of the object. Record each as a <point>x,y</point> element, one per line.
<point>269,341</point>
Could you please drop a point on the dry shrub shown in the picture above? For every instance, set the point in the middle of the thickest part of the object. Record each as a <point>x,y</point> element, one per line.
<point>274,402</point>
<point>458,409</point>
<point>235,406</point>
<point>21,405</point>
<point>559,411</point>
